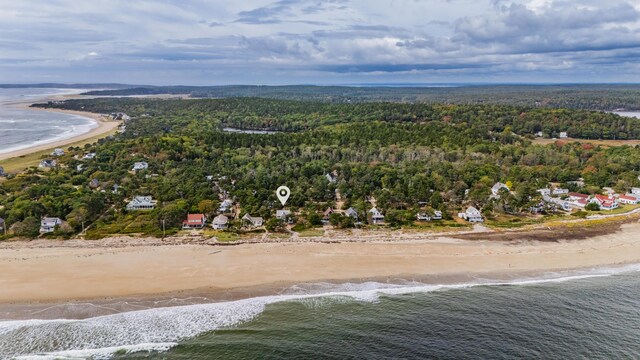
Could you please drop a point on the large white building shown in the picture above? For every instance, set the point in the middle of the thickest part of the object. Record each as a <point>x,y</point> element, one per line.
<point>141,203</point>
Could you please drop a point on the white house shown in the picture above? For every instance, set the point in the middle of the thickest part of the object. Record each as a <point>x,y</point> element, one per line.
<point>544,192</point>
<point>225,206</point>
<point>560,191</point>
<point>377,217</point>
<point>437,215</point>
<point>635,191</point>
<point>563,135</point>
<point>495,190</point>
<point>220,222</point>
<point>140,165</point>
<point>605,202</point>
<point>80,167</point>
<point>282,214</point>
<point>332,178</point>
<point>141,203</point>
<point>563,204</point>
<point>89,156</point>
<point>540,134</point>
<point>471,215</point>
<point>48,224</point>
<point>422,216</point>
<point>48,163</point>
<point>628,199</point>
<point>254,221</point>
<point>57,152</point>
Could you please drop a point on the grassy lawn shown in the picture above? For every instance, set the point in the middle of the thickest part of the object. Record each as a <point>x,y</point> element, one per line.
<point>437,225</point>
<point>620,210</point>
<point>510,221</point>
<point>311,233</point>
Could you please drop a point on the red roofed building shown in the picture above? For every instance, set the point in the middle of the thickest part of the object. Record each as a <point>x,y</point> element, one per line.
<point>628,199</point>
<point>194,221</point>
<point>577,196</point>
<point>605,202</point>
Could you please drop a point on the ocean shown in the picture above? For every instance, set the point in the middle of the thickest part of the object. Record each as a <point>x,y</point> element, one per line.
<point>23,128</point>
<point>592,314</point>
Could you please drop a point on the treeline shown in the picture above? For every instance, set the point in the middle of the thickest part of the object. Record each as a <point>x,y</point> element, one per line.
<point>286,115</point>
<point>587,97</point>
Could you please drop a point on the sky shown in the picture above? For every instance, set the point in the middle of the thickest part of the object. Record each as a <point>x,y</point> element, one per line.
<point>274,42</point>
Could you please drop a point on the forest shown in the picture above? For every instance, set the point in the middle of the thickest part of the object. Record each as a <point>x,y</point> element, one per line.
<point>604,97</point>
<point>405,157</point>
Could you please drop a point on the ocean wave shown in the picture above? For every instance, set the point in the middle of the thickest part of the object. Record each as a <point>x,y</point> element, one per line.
<point>161,328</point>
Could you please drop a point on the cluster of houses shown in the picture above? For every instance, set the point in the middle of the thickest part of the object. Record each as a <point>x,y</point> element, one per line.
<point>568,201</point>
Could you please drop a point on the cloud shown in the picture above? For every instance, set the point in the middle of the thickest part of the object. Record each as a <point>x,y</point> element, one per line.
<point>294,41</point>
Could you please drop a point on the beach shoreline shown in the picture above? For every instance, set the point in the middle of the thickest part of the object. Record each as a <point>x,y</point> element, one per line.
<point>35,275</point>
<point>104,126</point>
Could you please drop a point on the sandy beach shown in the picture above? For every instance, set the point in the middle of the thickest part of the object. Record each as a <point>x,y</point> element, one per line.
<point>37,271</point>
<point>105,126</point>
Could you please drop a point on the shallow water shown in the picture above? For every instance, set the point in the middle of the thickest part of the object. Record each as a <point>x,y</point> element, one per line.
<point>586,314</point>
<point>23,128</point>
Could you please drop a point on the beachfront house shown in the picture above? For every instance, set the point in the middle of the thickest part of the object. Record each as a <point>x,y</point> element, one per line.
<point>437,215</point>
<point>220,222</point>
<point>48,163</point>
<point>495,190</point>
<point>540,134</point>
<point>423,216</point>
<point>560,191</point>
<point>628,199</point>
<point>283,214</point>
<point>377,218</point>
<point>252,221</point>
<point>194,221</point>
<point>225,206</point>
<point>141,203</point>
<point>605,202</point>
<point>471,215</point>
<point>57,152</point>
<point>564,135</point>
<point>352,213</point>
<point>48,224</point>
<point>326,215</point>
<point>140,165</point>
<point>563,204</point>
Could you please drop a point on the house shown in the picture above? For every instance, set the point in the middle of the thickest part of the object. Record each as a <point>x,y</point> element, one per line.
<point>253,221</point>
<point>283,214</point>
<point>540,134</point>
<point>628,199</point>
<point>326,215</point>
<point>635,191</point>
<point>495,190</point>
<point>471,215</point>
<point>352,213</point>
<point>437,215</point>
<point>605,202</point>
<point>577,196</point>
<point>544,192</point>
<point>209,177</point>
<point>194,221</point>
<point>94,183</point>
<point>331,177</point>
<point>220,222</point>
<point>423,217</point>
<point>377,217</point>
<point>80,167</point>
<point>89,156</point>
<point>563,204</point>
<point>2,173</point>
<point>116,188</point>
<point>225,206</point>
<point>563,135</point>
<point>140,165</point>
<point>48,224</point>
<point>560,191</point>
<point>581,203</point>
<point>141,203</point>
<point>57,152</point>
<point>2,224</point>
<point>48,163</point>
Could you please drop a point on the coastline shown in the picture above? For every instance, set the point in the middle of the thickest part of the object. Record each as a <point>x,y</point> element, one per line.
<point>62,272</point>
<point>103,127</point>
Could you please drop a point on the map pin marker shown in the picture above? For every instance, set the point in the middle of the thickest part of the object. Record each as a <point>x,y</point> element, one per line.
<point>283,194</point>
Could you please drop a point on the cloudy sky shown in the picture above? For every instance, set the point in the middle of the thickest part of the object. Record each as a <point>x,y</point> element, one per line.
<point>319,42</point>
